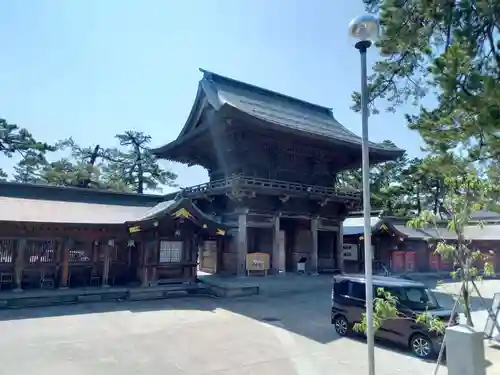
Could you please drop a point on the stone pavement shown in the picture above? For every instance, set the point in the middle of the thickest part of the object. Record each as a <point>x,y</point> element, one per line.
<point>450,290</point>
<point>289,334</point>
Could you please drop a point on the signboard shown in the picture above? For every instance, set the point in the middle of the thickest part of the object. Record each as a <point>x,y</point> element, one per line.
<point>257,262</point>
<point>350,251</point>
<point>492,328</point>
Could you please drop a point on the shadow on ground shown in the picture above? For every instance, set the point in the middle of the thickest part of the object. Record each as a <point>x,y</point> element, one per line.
<point>303,310</point>
<point>477,304</point>
<point>404,351</point>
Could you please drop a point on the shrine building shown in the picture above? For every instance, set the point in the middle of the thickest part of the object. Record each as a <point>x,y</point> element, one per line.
<point>272,161</point>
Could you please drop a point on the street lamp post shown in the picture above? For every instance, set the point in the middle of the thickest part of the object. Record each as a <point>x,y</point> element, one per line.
<point>365,30</point>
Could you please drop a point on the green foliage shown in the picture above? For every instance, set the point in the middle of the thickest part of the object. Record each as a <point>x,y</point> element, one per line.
<point>466,192</point>
<point>132,167</point>
<point>446,51</point>
<point>433,323</point>
<point>66,172</point>
<point>402,187</point>
<point>15,140</point>
<point>28,169</point>
<point>83,167</point>
<point>384,308</point>
<point>135,166</point>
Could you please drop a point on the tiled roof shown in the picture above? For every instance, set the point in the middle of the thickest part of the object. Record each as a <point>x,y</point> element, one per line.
<point>53,211</point>
<point>283,110</point>
<point>158,210</point>
<point>410,232</point>
<point>486,232</point>
<point>355,225</point>
<point>75,194</point>
<point>485,215</point>
<point>182,208</point>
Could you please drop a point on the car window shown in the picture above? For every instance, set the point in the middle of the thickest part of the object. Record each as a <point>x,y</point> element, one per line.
<point>417,298</point>
<point>358,290</point>
<point>341,288</point>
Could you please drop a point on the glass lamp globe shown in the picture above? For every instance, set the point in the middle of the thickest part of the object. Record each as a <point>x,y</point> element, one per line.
<point>364,28</point>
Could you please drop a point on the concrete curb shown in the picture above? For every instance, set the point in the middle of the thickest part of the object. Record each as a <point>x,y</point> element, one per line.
<point>20,300</point>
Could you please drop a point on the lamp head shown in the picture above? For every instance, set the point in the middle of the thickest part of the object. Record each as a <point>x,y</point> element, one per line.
<point>364,30</point>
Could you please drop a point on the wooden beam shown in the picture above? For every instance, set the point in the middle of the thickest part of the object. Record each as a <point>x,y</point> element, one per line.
<point>242,244</point>
<point>314,246</point>
<point>65,263</point>
<point>144,268</point>
<point>19,265</point>
<point>105,266</point>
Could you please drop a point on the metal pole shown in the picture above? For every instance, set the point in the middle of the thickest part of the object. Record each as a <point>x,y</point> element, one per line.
<point>362,47</point>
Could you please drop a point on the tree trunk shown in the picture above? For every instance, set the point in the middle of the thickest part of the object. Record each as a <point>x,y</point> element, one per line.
<point>140,172</point>
<point>467,311</point>
<point>465,264</point>
<point>419,203</point>
<point>436,198</point>
<point>93,158</point>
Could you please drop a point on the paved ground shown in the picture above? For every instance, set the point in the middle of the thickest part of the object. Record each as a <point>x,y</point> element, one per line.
<point>261,335</point>
<point>450,290</point>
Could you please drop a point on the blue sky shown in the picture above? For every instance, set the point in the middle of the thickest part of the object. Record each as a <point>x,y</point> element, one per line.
<point>93,68</point>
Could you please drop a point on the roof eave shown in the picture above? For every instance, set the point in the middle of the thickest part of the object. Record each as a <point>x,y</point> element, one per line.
<point>194,115</point>
<point>64,223</point>
<point>169,148</point>
<point>385,153</point>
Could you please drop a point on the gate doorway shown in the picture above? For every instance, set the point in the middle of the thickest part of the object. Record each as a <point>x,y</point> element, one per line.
<point>327,251</point>
<point>208,256</point>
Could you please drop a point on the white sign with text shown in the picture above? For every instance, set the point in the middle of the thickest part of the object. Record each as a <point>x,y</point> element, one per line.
<point>349,251</point>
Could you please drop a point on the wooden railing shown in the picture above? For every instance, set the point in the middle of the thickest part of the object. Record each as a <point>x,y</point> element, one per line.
<point>244,182</point>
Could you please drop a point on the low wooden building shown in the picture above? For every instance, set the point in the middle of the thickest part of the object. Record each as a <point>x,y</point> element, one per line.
<point>68,237</point>
<point>272,161</point>
<point>406,250</point>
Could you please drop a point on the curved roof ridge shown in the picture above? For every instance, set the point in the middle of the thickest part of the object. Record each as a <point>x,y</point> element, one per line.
<point>210,75</point>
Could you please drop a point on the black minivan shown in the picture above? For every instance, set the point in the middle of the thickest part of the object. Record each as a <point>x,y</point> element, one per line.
<point>348,306</point>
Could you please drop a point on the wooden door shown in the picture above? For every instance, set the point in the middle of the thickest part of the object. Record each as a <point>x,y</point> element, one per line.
<point>208,257</point>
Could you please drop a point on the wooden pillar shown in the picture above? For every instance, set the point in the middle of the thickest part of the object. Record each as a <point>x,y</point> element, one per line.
<point>96,245</point>
<point>63,284</point>
<point>340,247</point>
<point>105,266</point>
<point>144,268</point>
<point>314,246</point>
<point>278,261</point>
<point>19,265</point>
<point>242,244</point>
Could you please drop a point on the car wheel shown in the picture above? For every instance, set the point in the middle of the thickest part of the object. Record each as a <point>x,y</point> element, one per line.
<point>421,346</point>
<point>341,325</point>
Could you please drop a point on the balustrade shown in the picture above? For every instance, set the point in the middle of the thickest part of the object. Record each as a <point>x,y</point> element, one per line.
<point>281,186</point>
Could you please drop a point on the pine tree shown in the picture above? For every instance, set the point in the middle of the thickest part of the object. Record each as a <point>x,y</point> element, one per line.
<point>136,167</point>
<point>28,170</point>
<point>447,50</point>
<point>15,140</point>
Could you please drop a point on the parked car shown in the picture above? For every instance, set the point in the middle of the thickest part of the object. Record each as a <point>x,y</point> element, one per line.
<point>348,305</point>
